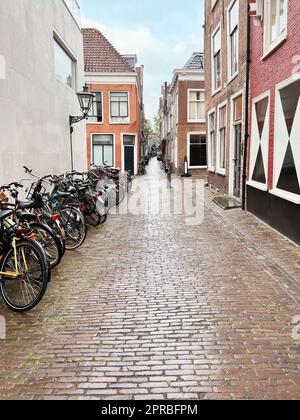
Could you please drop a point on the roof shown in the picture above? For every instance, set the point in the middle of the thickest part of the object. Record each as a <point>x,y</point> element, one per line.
<point>100,56</point>
<point>196,62</point>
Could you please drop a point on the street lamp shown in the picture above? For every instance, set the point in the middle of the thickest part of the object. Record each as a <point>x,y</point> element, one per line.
<point>85,99</point>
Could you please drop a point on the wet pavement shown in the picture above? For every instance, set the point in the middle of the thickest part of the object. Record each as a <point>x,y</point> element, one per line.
<point>152,308</point>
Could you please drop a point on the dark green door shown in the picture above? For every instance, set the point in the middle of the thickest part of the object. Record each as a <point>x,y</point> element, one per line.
<point>129,158</point>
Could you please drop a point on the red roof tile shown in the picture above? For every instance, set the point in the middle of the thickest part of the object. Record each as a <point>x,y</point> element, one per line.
<point>100,56</point>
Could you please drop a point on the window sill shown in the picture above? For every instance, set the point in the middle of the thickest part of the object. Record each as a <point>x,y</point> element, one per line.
<point>221,172</point>
<point>211,169</point>
<point>232,78</point>
<point>274,46</point>
<point>197,167</point>
<point>215,92</point>
<point>119,123</point>
<point>293,198</point>
<point>94,123</point>
<point>196,121</point>
<point>257,185</point>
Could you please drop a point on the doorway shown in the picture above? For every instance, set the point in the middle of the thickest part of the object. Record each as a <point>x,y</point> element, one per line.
<point>129,143</point>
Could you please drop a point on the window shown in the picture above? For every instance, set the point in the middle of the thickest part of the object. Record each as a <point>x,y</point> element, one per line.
<point>196,106</point>
<point>259,142</point>
<point>119,107</point>
<point>222,138</point>
<point>233,26</point>
<point>212,141</point>
<point>128,140</point>
<point>103,149</point>
<point>275,23</point>
<point>197,151</point>
<point>216,62</point>
<point>286,133</point>
<point>65,66</point>
<point>96,112</point>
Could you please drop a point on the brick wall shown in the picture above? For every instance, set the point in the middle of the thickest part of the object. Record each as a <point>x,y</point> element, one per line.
<point>116,129</point>
<point>212,19</point>
<point>278,66</point>
<point>184,127</point>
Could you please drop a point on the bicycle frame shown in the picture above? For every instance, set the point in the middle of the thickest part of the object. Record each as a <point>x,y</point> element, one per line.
<point>16,273</point>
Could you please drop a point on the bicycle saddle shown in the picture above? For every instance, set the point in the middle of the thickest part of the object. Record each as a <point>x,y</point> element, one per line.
<point>4,214</point>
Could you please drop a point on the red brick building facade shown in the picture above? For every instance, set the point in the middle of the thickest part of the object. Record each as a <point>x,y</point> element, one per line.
<point>183,120</point>
<point>115,125</point>
<point>273,188</point>
<point>225,79</point>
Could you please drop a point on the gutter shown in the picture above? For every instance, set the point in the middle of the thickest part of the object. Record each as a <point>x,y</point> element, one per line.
<point>247,97</point>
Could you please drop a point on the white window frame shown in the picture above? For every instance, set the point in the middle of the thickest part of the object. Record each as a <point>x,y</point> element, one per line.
<point>135,151</point>
<point>69,52</point>
<point>211,168</point>
<point>203,120</point>
<point>215,91</point>
<point>232,76</point>
<point>97,122</point>
<point>286,195</point>
<point>258,185</point>
<point>219,170</point>
<point>109,100</point>
<point>270,46</point>
<point>103,134</point>
<point>213,3</point>
<point>189,134</point>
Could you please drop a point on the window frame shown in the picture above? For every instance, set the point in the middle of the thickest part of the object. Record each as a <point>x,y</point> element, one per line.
<point>94,116</point>
<point>127,122</point>
<point>113,146</point>
<point>270,46</point>
<point>57,39</point>
<point>196,133</point>
<point>286,195</point>
<point>250,182</point>
<point>231,75</point>
<point>211,167</point>
<point>213,56</point>
<point>219,170</point>
<point>201,120</point>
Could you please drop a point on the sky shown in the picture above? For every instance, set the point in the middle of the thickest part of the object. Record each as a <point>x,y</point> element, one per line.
<point>163,34</point>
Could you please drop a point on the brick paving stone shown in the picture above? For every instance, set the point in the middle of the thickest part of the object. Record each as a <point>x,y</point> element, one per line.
<point>150,308</point>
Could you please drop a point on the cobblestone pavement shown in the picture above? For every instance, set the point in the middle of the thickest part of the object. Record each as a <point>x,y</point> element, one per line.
<point>152,308</point>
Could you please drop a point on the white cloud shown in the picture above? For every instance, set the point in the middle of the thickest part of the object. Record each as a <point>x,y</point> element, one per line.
<point>158,57</point>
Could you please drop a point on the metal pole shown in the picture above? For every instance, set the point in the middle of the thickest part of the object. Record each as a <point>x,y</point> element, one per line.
<point>245,161</point>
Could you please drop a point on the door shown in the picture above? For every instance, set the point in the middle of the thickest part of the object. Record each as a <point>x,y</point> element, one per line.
<point>129,158</point>
<point>237,160</point>
<point>129,153</point>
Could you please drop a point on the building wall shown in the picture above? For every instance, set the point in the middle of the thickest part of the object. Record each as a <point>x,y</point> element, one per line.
<point>184,127</point>
<point>281,64</point>
<point>278,66</point>
<point>212,19</point>
<point>117,129</point>
<point>35,106</point>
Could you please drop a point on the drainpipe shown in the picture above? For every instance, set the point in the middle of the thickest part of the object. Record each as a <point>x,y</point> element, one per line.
<point>247,97</point>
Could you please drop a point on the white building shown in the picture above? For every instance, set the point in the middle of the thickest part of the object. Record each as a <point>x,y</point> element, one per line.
<point>41,69</point>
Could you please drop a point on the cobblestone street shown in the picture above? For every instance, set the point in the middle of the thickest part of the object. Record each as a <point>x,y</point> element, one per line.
<point>151,308</point>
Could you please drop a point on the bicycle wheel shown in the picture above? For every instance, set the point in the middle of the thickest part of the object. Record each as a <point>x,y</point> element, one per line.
<point>74,226</point>
<point>49,241</point>
<point>93,218</point>
<point>24,292</point>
